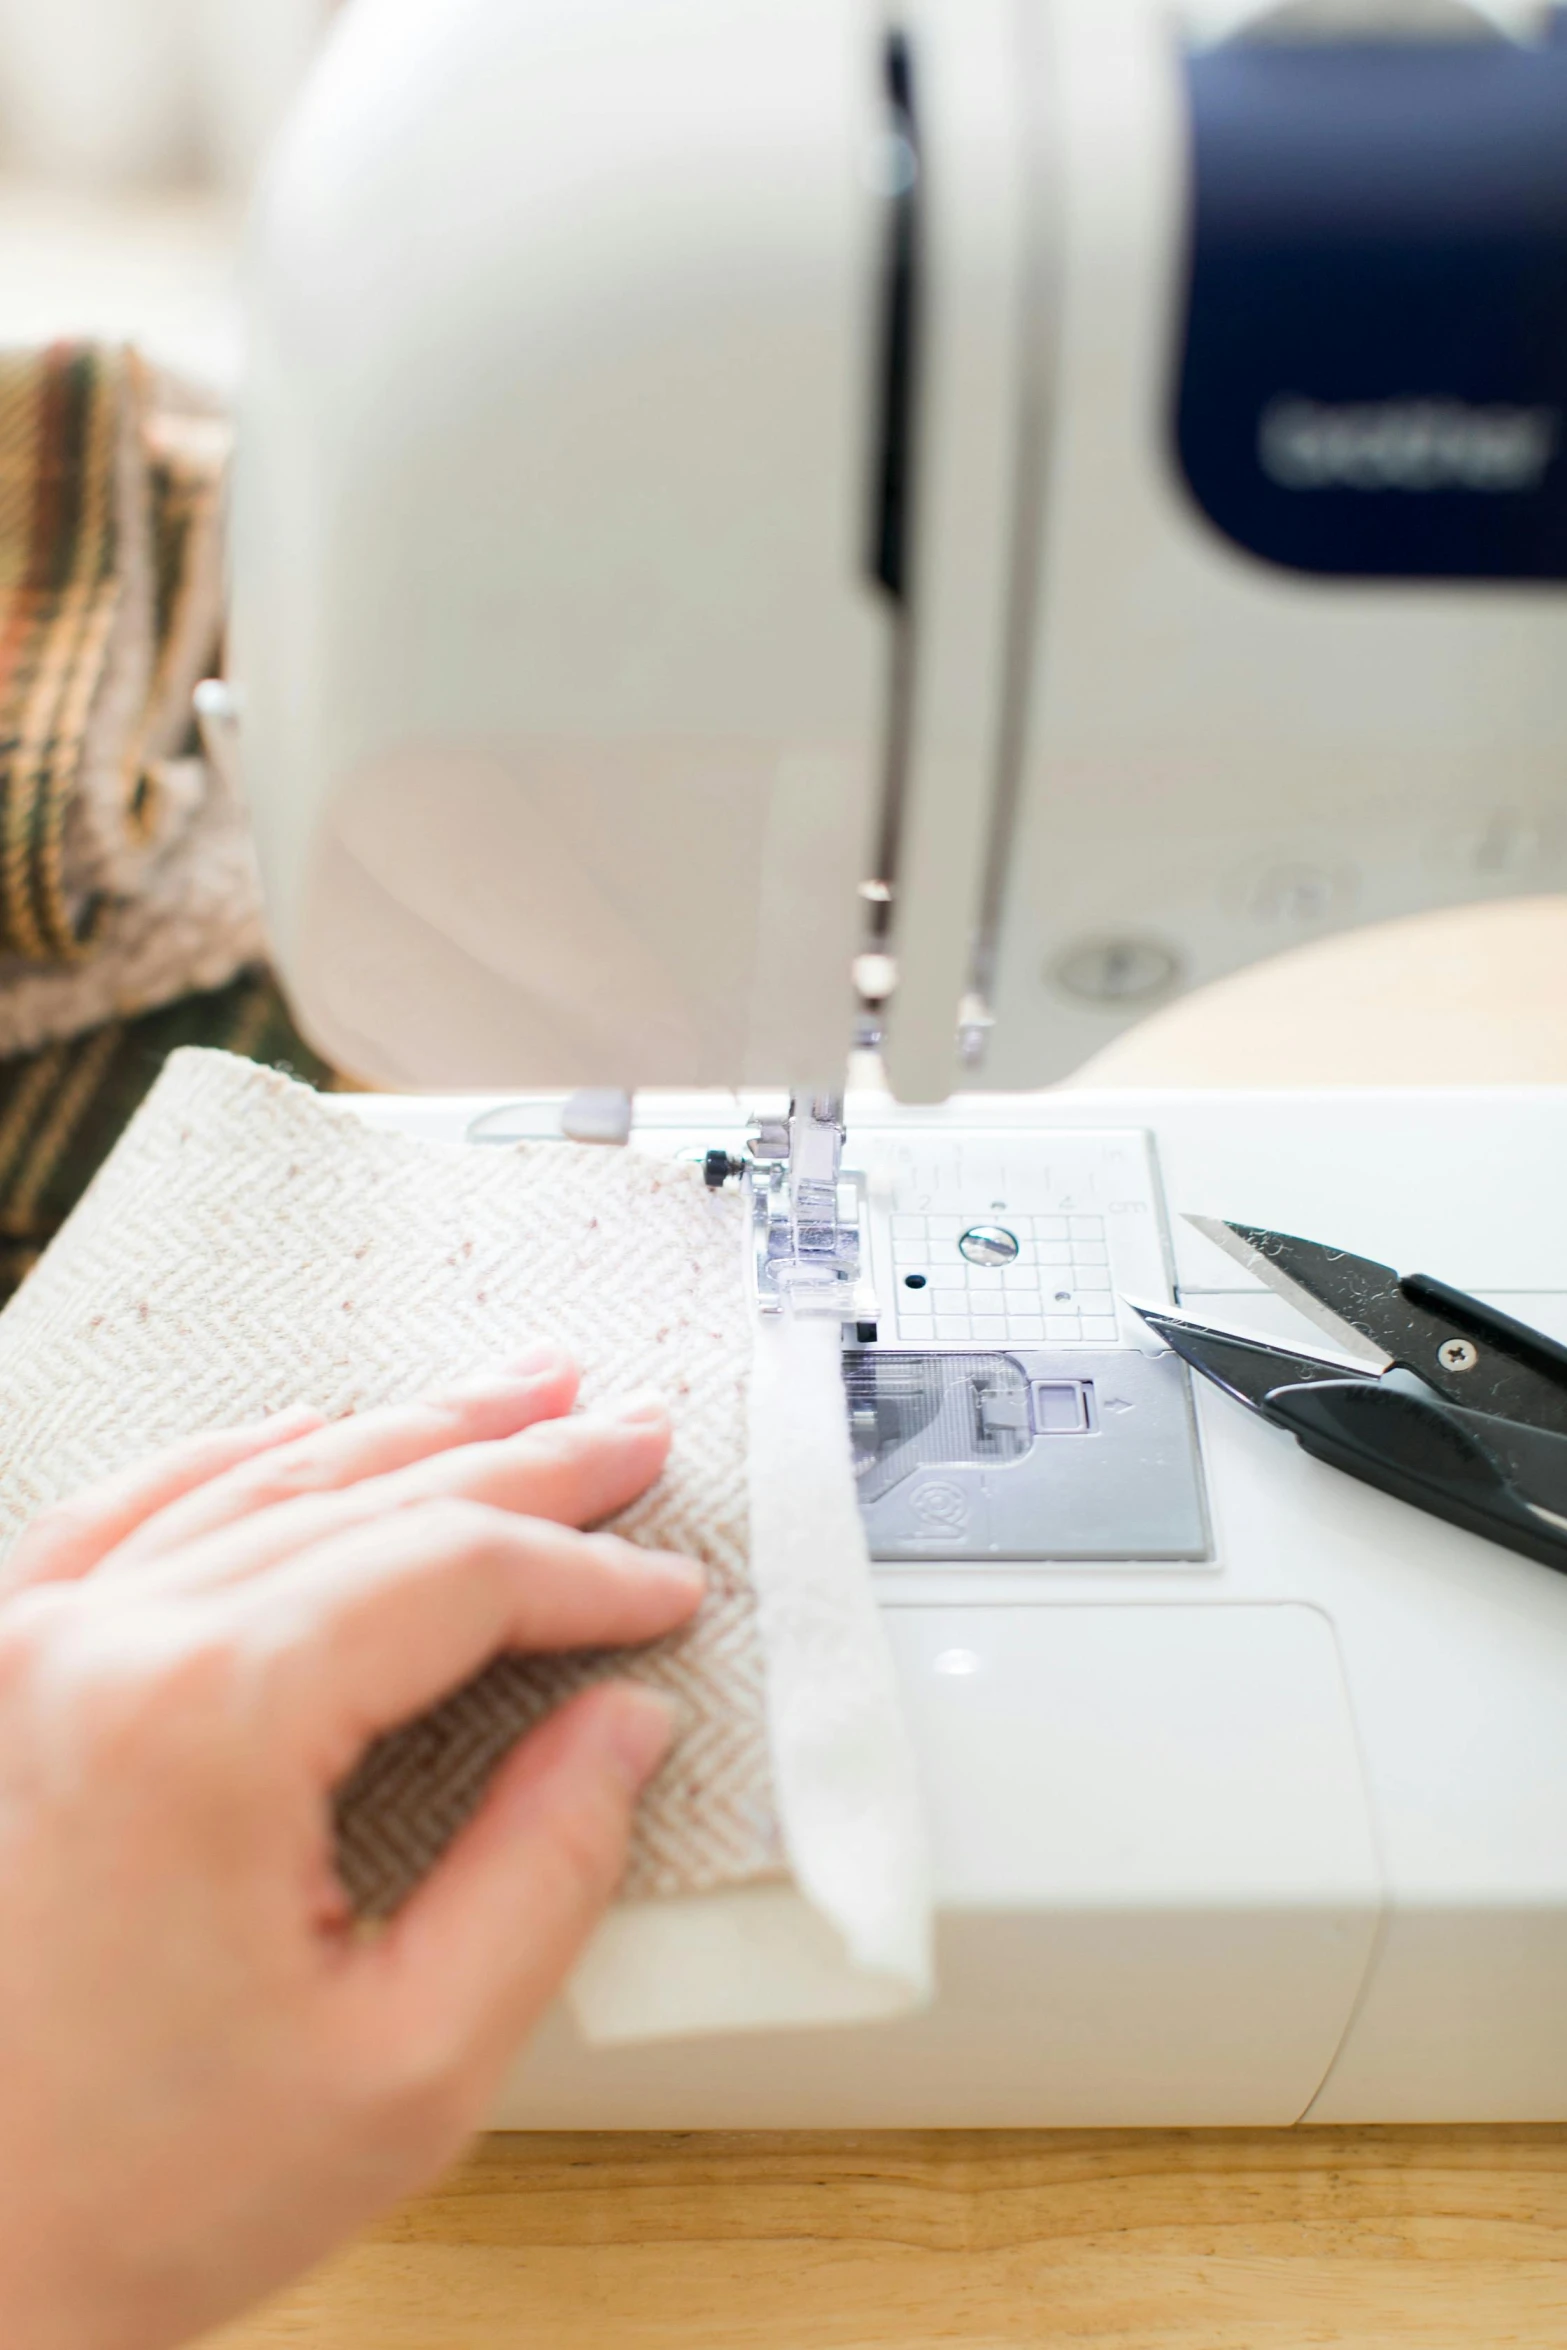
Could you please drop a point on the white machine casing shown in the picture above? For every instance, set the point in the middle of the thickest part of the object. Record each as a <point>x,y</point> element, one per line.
<point>568,708</point>
<point>1267,1836</point>
<point>565,690</point>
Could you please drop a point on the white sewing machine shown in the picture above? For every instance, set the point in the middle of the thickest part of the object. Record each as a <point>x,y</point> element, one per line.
<point>770,528</point>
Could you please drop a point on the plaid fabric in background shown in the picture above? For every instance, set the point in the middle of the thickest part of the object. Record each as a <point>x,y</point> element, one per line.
<point>59,593</point>
<point>109,612</point>
<point>129,911</point>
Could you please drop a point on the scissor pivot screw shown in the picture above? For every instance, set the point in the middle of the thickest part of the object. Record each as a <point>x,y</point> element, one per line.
<point>1457,1354</point>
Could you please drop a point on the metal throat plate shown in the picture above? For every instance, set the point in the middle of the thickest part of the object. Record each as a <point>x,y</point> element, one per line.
<point>1026,1455</point>
<point>1011,1408</point>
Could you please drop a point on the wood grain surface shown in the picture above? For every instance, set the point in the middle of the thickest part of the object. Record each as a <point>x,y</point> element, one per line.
<point>1204,2240</point>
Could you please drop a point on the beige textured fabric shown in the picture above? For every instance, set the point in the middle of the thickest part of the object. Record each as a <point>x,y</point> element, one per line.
<point>248,1244</point>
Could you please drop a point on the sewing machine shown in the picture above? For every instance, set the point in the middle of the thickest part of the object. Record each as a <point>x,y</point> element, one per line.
<point>770,530</point>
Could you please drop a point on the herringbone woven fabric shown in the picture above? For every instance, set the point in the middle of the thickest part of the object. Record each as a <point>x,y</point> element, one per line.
<point>248,1245</point>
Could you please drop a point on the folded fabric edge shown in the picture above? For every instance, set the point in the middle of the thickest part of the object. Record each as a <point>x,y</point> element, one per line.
<point>843,1763</point>
<point>849,1940</point>
<point>750,1959</point>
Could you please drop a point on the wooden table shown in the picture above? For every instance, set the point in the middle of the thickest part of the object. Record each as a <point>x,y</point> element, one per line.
<point>1210,2240</point>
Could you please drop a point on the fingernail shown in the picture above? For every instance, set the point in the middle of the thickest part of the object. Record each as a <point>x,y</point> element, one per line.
<point>294,1415</point>
<point>641,1411</point>
<point>530,1369</point>
<point>640,1731</point>
<point>674,1566</point>
<point>535,1361</point>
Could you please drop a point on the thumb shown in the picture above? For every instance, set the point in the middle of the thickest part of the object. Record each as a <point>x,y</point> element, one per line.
<point>492,1934</point>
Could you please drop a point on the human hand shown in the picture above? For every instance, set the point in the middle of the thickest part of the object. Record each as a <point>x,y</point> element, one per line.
<point>207,2076</point>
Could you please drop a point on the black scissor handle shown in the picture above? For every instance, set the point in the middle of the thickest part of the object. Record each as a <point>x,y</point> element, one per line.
<point>1398,1434</point>
<point>1479,1320</point>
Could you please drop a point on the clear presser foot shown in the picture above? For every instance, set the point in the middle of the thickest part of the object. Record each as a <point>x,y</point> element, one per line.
<point>807,1215</point>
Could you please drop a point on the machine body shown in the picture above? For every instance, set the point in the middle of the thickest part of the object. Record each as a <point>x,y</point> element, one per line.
<point>1039,503</point>
<point>1242,1815</point>
<point>764,529</point>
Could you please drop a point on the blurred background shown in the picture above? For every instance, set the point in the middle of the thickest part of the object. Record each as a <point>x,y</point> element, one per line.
<point>130,132</point>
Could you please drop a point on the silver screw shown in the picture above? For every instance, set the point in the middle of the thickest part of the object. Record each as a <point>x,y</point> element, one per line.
<point>988,1244</point>
<point>1456,1354</point>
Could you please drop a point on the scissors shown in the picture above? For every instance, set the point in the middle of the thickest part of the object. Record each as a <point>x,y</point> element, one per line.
<point>1431,1396</point>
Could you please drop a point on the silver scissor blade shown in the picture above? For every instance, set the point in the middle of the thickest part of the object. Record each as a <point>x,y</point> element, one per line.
<point>1288,1267</point>
<point>1245,1367</point>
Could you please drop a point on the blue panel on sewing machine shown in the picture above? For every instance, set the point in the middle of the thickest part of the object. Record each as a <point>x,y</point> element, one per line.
<point>1374,374</point>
